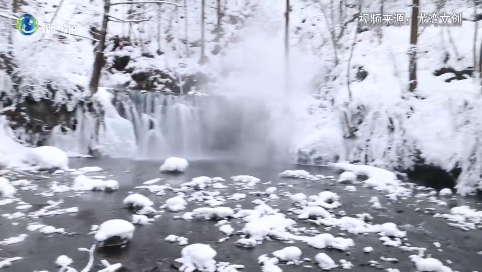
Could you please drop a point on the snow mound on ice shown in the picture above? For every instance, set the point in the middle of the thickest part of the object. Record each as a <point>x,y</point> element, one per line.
<point>463,217</point>
<point>245,179</point>
<point>326,240</point>
<point>174,164</point>
<point>139,219</point>
<point>63,260</point>
<point>429,264</point>
<point>48,157</point>
<point>83,183</point>
<point>89,169</point>
<point>347,176</point>
<point>6,189</point>
<point>325,262</point>
<point>291,253</point>
<point>176,204</point>
<point>115,228</point>
<point>198,257</point>
<point>301,174</point>
<point>137,201</point>
<point>213,213</point>
<point>445,191</point>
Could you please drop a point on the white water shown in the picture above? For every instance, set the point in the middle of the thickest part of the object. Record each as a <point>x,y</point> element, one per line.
<point>193,127</point>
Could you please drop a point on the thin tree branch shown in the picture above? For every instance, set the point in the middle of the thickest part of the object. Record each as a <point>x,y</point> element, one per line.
<point>8,16</point>
<point>146,2</point>
<point>80,36</point>
<point>115,19</point>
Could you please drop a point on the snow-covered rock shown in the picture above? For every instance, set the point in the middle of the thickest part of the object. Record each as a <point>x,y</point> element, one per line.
<point>84,183</point>
<point>291,253</point>
<point>213,213</point>
<point>6,189</point>
<point>197,257</point>
<point>48,157</point>
<point>326,240</point>
<point>429,264</point>
<point>347,177</point>
<point>445,192</point>
<point>174,164</point>
<point>140,219</point>
<point>325,262</point>
<point>137,201</point>
<point>115,228</point>
<point>176,204</point>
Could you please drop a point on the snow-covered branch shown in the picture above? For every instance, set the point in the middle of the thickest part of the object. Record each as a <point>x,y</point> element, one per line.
<point>115,19</point>
<point>80,36</point>
<point>146,2</point>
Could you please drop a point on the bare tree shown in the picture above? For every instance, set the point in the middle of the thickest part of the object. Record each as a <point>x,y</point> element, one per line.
<point>203,58</point>
<point>412,66</point>
<point>219,14</point>
<point>380,28</point>
<point>159,29</point>
<point>348,78</point>
<point>186,29</point>
<point>287,46</point>
<point>474,50</point>
<point>99,54</point>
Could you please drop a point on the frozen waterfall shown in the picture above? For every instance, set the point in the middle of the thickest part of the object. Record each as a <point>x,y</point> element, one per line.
<point>153,126</point>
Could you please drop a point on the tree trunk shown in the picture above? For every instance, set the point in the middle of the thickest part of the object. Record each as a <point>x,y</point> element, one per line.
<point>219,15</point>
<point>348,78</point>
<point>380,28</point>
<point>476,68</point>
<point>412,69</point>
<point>186,30</point>
<point>159,32</point>
<point>99,55</point>
<point>287,47</point>
<point>202,59</point>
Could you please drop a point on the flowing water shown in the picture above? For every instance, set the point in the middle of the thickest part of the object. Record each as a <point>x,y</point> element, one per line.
<point>193,127</point>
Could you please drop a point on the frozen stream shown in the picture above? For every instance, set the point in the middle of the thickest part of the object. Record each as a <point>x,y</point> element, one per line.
<point>148,251</point>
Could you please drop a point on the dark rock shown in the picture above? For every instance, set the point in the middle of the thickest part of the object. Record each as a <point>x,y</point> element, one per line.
<point>361,74</point>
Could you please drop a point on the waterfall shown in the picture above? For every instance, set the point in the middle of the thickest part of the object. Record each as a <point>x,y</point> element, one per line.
<point>189,126</point>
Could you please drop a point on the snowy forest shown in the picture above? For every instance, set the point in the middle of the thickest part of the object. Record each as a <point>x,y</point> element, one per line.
<point>386,95</point>
<point>376,105</point>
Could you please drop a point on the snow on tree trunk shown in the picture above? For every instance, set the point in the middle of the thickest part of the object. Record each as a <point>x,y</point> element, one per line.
<point>287,46</point>
<point>99,54</point>
<point>203,59</point>
<point>413,47</point>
